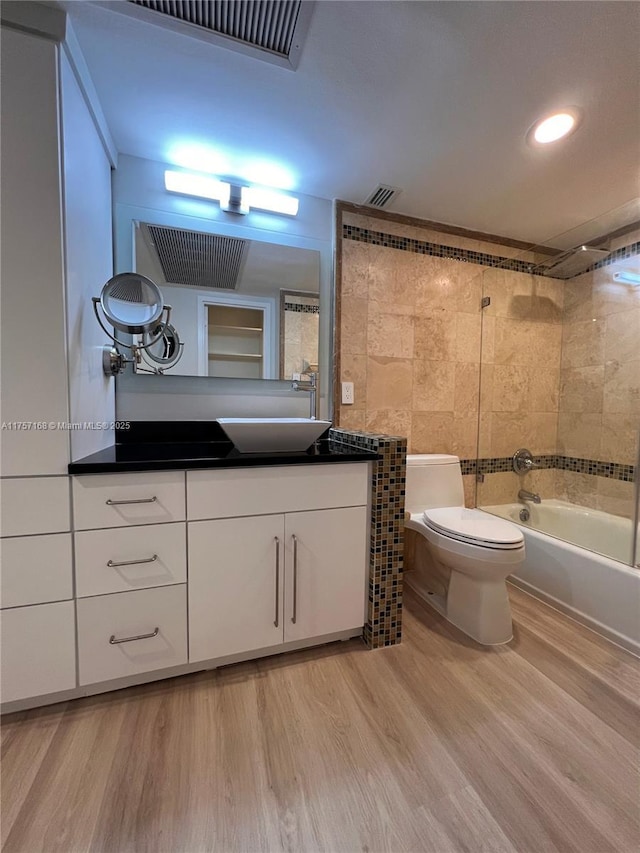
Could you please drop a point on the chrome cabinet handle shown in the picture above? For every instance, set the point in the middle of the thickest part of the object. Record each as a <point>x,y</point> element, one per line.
<point>113,565</point>
<point>114,642</point>
<point>276,620</point>
<point>152,500</point>
<point>295,579</point>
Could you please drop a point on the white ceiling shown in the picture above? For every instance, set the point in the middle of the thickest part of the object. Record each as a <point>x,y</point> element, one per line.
<point>433,97</point>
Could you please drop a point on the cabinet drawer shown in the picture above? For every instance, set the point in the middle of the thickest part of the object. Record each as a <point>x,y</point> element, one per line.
<point>153,555</point>
<point>35,505</point>
<point>36,569</point>
<point>118,500</point>
<point>127,616</point>
<point>38,650</point>
<point>261,491</point>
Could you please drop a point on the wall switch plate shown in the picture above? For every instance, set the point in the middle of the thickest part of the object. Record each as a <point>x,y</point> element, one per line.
<point>348,398</point>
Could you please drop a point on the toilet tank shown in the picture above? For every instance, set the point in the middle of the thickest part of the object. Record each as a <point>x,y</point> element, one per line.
<point>433,480</point>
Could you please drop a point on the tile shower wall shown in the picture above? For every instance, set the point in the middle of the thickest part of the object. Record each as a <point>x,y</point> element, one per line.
<point>410,341</point>
<point>599,404</point>
<point>560,371</point>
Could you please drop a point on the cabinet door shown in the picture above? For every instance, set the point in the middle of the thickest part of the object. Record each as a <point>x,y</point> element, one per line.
<point>235,585</point>
<point>38,650</point>
<point>326,566</point>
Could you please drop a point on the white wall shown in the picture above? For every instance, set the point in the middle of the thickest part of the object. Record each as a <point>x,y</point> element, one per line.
<point>139,195</point>
<point>33,354</point>
<point>88,263</point>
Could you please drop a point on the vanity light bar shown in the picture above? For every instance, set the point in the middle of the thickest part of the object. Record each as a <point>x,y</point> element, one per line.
<point>271,200</point>
<point>232,197</point>
<point>627,277</point>
<point>198,185</point>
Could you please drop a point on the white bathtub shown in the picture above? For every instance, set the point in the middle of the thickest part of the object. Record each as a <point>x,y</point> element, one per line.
<point>599,591</point>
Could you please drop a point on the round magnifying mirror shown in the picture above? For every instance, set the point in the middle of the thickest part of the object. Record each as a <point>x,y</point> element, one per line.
<point>132,303</point>
<point>166,350</point>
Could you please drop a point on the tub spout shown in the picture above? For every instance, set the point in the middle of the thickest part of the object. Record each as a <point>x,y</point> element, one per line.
<point>524,495</point>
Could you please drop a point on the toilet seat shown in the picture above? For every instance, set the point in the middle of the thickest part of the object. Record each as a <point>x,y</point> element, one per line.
<point>474,527</point>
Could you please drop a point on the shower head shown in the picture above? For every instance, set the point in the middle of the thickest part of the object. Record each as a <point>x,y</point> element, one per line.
<point>571,263</point>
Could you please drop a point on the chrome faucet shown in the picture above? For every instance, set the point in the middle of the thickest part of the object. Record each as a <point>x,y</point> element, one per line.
<point>524,495</point>
<point>312,387</point>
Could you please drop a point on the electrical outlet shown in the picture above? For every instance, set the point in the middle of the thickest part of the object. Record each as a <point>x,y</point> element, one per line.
<point>348,398</point>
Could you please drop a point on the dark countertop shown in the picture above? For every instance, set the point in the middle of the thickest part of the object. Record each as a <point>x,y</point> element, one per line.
<point>170,447</point>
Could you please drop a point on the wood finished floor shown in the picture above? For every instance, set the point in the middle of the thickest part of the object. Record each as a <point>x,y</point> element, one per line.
<point>434,745</point>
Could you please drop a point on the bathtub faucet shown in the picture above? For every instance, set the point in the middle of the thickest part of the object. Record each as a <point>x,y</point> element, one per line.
<point>524,495</point>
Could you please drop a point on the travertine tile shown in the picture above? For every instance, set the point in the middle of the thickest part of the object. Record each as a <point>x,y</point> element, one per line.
<point>580,489</point>
<point>510,388</point>
<point>521,296</point>
<point>469,284</point>
<point>523,342</point>
<point>389,383</point>
<point>467,341</point>
<point>467,387</point>
<point>498,489</point>
<point>350,418</point>
<point>611,297</point>
<point>488,344</point>
<point>353,368</point>
<point>622,387</point>
<point>486,387</point>
<point>616,497</point>
<point>388,283</point>
<point>579,434</point>
<point>389,422</point>
<point>622,337</point>
<point>353,325</point>
<point>390,334</point>
<point>583,343</point>
<point>436,284</point>
<point>444,432</point>
<point>535,430</point>
<point>434,385</point>
<point>356,258</point>
<point>469,485</point>
<point>581,389</point>
<point>435,335</point>
<point>544,389</point>
<point>620,435</point>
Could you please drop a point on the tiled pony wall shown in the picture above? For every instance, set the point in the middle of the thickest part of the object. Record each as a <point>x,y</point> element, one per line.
<point>560,371</point>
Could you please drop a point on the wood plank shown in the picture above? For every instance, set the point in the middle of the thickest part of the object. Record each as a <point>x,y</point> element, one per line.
<point>437,744</point>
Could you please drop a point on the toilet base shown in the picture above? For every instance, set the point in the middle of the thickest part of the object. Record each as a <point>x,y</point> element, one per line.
<point>480,609</point>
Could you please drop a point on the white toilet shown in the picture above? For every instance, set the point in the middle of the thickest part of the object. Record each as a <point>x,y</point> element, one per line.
<point>471,549</point>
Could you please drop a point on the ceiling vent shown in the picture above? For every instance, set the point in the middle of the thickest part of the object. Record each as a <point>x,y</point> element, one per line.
<point>195,259</point>
<point>383,195</point>
<point>271,30</point>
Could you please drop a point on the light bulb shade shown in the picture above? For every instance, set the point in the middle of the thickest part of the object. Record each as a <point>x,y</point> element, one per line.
<point>132,303</point>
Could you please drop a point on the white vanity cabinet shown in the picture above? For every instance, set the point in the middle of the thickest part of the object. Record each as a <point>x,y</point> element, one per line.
<point>259,581</point>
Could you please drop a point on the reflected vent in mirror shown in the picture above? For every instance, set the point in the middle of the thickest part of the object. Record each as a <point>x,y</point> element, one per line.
<point>272,30</point>
<point>198,260</point>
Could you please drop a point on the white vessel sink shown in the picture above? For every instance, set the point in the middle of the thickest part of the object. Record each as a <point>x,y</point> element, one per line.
<point>272,435</point>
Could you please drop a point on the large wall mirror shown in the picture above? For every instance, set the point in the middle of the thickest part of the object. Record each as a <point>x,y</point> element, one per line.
<point>243,308</point>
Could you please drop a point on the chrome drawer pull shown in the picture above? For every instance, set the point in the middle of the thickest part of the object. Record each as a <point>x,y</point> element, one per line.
<point>114,642</point>
<point>295,579</point>
<point>277,541</point>
<point>152,500</point>
<point>113,565</point>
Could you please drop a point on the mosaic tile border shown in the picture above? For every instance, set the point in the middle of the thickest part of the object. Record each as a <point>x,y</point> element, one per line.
<point>300,308</point>
<point>598,468</point>
<point>436,250</point>
<point>388,479</point>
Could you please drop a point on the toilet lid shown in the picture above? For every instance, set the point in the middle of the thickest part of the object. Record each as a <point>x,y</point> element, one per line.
<point>473,526</point>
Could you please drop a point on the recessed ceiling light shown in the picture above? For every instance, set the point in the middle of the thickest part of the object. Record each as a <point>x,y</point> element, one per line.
<point>554,127</point>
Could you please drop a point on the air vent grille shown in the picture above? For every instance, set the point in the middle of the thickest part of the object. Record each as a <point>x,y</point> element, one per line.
<point>265,24</point>
<point>383,195</point>
<point>199,260</point>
